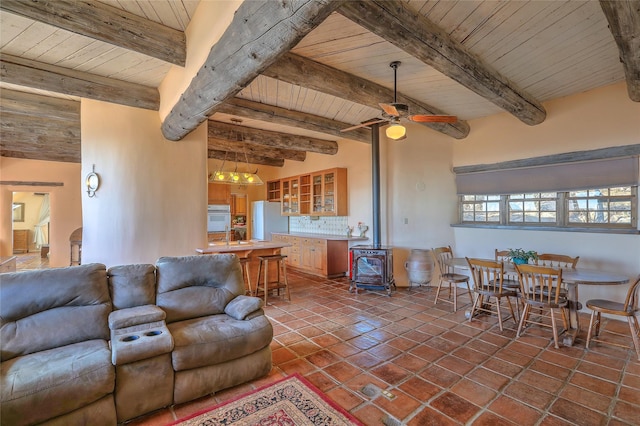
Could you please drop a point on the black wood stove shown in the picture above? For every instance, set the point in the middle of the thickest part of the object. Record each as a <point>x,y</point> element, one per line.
<point>372,266</point>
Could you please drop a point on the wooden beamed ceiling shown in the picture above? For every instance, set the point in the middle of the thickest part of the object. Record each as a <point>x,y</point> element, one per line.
<point>106,23</point>
<point>257,43</point>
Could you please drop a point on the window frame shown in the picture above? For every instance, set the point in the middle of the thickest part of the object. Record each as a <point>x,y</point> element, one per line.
<point>562,214</point>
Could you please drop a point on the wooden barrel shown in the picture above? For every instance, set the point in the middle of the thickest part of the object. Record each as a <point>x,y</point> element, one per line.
<point>419,266</point>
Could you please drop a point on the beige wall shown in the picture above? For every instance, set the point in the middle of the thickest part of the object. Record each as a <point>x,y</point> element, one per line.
<point>153,192</point>
<point>418,183</point>
<point>65,201</point>
<point>599,118</point>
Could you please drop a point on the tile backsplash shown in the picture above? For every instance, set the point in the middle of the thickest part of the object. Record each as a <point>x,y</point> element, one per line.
<point>330,225</point>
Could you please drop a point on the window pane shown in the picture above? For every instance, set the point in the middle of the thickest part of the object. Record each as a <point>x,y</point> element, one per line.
<point>515,206</point>
<point>467,216</point>
<point>548,217</point>
<point>493,216</point>
<point>548,206</point>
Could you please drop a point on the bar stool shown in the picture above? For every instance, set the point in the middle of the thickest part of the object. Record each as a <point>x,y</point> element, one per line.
<point>244,264</point>
<point>281,282</point>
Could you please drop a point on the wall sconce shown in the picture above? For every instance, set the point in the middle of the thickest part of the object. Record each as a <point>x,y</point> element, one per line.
<point>93,182</point>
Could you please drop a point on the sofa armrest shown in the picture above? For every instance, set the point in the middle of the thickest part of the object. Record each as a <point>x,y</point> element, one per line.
<point>241,306</point>
<point>137,315</point>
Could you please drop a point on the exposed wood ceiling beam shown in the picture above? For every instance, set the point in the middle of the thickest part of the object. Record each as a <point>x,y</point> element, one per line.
<point>237,150</point>
<point>304,72</point>
<point>286,117</point>
<point>29,183</point>
<point>259,33</point>
<point>252,159</point>
<point>419,37</point>
<point>268,138</point>
<point>624,23</point>
<point>25,72</point>
<point>39,127</point>
<point>106,23</point>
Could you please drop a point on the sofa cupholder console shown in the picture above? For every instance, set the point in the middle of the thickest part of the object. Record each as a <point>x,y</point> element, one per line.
<point>141,342</point>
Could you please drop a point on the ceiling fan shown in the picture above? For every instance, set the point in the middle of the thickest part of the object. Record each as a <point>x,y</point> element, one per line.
<point>393,112</point>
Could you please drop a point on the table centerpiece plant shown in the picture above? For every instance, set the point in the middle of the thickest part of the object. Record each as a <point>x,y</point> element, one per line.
<point>520,256</point>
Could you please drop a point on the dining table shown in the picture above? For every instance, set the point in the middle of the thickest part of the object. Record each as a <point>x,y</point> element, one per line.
<point>572,278</point>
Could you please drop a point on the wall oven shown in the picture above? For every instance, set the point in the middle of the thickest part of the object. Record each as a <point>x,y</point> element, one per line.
<point>218,217</point>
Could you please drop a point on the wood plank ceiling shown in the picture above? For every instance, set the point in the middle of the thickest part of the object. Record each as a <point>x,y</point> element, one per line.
<point>469,58</point>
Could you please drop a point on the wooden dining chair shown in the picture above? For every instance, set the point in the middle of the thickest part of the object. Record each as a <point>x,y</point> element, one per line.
<point>488,283</point>
<point>628,309</point>
<point>511,277</point>
<point>538,290</point>
<point>510,280</point>
<point>447,275</point>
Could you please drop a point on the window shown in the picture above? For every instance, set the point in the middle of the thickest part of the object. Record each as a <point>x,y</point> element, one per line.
<point>533,208</point>
<point>601,208</point>
<point>481,208</point>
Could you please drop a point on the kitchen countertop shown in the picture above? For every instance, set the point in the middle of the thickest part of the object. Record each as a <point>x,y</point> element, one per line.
<point>235,246</point>
<point>322,236</point>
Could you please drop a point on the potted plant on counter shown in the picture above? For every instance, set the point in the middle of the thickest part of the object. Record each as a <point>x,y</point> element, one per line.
<point>520,256</point>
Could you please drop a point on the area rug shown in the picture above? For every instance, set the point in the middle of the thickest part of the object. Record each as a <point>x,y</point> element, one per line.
<point>290,401</point>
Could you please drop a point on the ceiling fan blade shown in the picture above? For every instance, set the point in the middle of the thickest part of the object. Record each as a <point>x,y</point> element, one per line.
<point>390,109</point>
<point>433,118</point>
<point>365,124</point>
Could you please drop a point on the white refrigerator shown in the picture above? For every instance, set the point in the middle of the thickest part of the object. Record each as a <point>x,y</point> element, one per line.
<point>265,219</point>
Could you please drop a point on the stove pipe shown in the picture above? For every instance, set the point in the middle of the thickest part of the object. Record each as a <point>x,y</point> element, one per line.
<point>375,173</point>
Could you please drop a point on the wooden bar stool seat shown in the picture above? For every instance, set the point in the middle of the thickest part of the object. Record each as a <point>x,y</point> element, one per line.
<point>281,279</point>
<point>244,264</point>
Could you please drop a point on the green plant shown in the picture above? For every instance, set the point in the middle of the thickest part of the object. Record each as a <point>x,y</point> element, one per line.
<point>523,255</point>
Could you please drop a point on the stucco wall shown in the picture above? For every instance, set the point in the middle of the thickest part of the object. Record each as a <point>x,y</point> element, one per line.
<point>152,197</point>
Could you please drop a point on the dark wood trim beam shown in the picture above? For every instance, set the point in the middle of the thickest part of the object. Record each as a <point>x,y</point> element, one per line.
<point>238,149</point>
<point>28,73</point>
<point>270,139</point>
<point>547,160</point>
<point>260,32</point>
<point>624,23</point>
<point>252,159</point>
<point>286,117</point>
<point>38,127</point>
<point>394,21</point>
<point>27,183</point>
<point>106,23</point>
<point>313,75</point>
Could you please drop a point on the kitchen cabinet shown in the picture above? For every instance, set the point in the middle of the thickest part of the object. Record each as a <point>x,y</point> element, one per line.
<point>20,240</point>
<point>329,192</point>
<point>321,193</point>
<point>218,236</point>
<point>315,255</point>
<point>219,193</point>
<point>238,205</point>
<point>273,191</point>
<point>290,196</point>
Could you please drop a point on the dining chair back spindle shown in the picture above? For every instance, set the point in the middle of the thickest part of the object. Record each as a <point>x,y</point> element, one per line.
<point>441,255</point>
<point>488,283</point>
<point>539,289</point>
<point>557,260</point>
<point>629,309</point>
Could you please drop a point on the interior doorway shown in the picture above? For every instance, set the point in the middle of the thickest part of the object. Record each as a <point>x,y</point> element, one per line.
<point>31,225</point>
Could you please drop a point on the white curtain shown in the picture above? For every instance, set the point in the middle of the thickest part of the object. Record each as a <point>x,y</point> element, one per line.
<point>41,234</point>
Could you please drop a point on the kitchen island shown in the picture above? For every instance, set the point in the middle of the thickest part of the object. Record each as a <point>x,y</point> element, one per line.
<point>318,254</point>
<point>250,249</point>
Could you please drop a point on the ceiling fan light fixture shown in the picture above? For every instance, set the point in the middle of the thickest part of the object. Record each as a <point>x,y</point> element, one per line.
<point>396,131</point>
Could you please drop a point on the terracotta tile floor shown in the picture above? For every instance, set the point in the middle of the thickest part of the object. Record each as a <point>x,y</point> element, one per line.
<point>441,369</point>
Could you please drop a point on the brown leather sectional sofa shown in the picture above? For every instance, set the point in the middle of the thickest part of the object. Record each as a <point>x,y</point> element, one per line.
<point>85,345</point>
